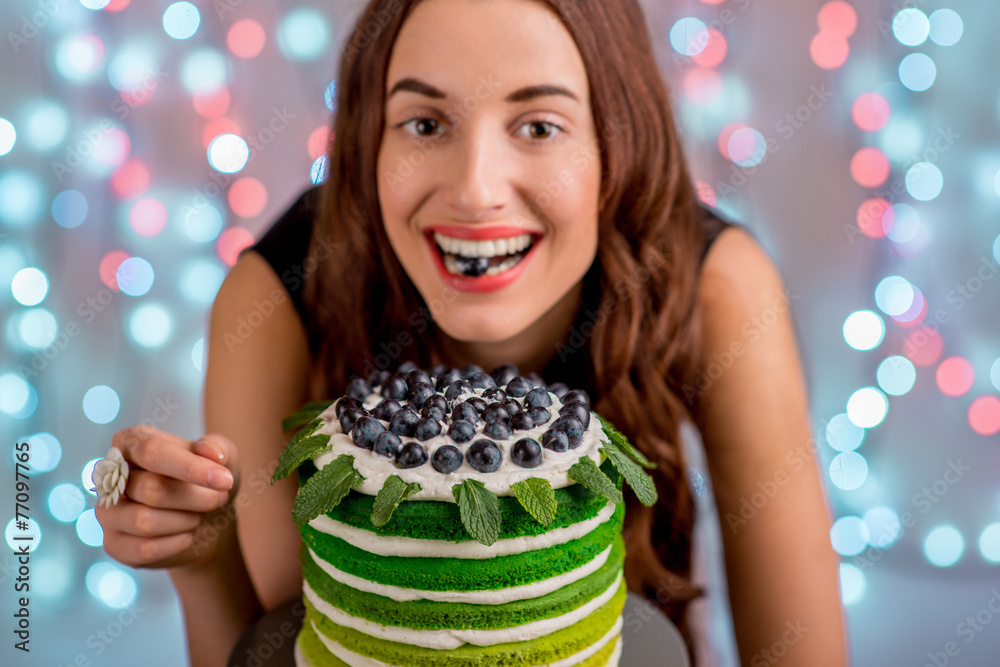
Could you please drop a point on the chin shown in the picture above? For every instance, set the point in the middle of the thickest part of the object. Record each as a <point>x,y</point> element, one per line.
<point>473,327</point>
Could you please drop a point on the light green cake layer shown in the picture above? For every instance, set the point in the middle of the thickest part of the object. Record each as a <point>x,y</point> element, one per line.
<point>319,656</point>
<point>439,520</point>
<point>555,646</point>
<point>429,615</point>
<point>470,574</point>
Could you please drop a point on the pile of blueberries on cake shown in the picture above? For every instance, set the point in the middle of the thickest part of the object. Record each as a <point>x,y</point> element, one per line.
<point>461,405</point>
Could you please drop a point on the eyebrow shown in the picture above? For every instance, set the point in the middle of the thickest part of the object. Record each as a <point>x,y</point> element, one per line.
<point>519,95</point>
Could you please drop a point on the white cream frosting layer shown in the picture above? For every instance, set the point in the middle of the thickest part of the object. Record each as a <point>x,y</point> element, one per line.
<point>389,545</point>
<point>448,639</point>
<point>436,486</point>
<point>357,660</point>
<point>535,589</point>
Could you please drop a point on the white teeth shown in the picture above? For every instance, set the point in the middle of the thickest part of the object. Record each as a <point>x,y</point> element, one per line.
<point>493,248</point>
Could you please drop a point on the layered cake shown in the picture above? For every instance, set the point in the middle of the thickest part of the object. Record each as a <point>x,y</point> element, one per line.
<point>460,518</point>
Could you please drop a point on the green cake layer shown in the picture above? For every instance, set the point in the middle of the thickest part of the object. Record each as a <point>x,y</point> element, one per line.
<point>430,615</point>
<point>318,656</point>
<point>555,646</point>
<point>465,574</point>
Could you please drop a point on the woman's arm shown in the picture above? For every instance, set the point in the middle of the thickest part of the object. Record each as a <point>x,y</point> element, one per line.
<point>782,571</point>
<point>256,375</point>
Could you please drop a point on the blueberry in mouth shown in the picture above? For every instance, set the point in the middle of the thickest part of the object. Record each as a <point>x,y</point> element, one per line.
<point>478,258</point>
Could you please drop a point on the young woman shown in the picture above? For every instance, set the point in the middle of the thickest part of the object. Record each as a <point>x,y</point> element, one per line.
<point>468,120</point>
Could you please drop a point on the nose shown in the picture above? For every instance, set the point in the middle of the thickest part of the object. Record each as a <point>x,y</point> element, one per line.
<point>477,179</point>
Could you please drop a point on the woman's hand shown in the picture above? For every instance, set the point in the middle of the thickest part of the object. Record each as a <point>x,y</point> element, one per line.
<point>176,490</point>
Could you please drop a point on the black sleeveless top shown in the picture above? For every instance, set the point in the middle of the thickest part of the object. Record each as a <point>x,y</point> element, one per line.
<point>286,243</point>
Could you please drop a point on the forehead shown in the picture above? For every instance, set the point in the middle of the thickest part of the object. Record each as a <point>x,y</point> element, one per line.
<point>452,43</point>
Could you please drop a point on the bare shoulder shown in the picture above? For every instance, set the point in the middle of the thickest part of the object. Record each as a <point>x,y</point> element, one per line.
<point>738,275</point>
<point>257,374</point>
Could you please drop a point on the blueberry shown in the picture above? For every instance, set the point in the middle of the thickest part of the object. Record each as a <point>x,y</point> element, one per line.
<point>472,267</point>
<point>365,431</point>
<point>526,453</point>
<point>495,411</point>
<point>456,389</point>
<point>465,412</point>
<point>394,387</point>
<point>539,415</point>
<point>484,456</point>
<point>522,421</point>
<point>437,401</point>
<point>387,444</point>
<point>419,392</point>
<point>477,403</point>
<point>481,381</point>
<point>578,410</point>
<point>438,370</point>
<point>495,394</point>
<point>538,397</point>
<point>576,395</point>
<point>461,431</point>
<point>504,373</point>
<point>519,386</point>
<point>471,370</point>
<point>358,389</point>
<point>406,367</point>
<point>403,422</point>
<point>411,455</point>
<point>513,407</point>
<point>349,416</point>
<point>559,389</point>
<point>555,440</point>
<point>427,428</point>
<point>572,427</point>
<point>346,402</point>
<point>537,380</point>
<point>378,377</point>
<point>446,459</point>
<point>432,412</point>
<point>386,409</point>
<point>498,429</point>
<point>413,377</point>
<point>451,375</point>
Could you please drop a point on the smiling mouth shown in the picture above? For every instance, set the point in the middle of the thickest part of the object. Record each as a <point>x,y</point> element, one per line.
<point>473,259</point>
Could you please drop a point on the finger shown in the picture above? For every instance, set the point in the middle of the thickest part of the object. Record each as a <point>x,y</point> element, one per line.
<point>147,551</point>
<point>132,518</point>
<point>170,456</point>
<point>162,492</point>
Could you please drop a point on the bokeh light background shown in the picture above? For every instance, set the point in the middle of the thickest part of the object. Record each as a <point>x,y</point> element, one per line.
<point>144,144</point>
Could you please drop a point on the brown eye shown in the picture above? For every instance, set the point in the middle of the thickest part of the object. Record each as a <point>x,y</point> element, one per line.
<point>426,126</point>
<point>539,130</point>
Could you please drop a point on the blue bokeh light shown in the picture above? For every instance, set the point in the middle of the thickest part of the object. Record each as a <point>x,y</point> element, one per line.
<point>28,538</point>
<point>14,393</point>
<point>228,153</point>
<point>896,375</point>
<point>135,276</point>
<point>21,198</point>
<point>944,546</point>
<point>29,286</point>
<point>844,435</point>
<point>203,224</point>
<point>150,326</point>
<point>689,36</point>
<point>867,407</point>
<point>917,72</point>
<point>884,527</point>
<point>303,34</point>
<point>330,97</point>
<point>894,295</point>
<point>911,27</point>
<point>848,470</point>
<point>89,529</point>
<point>989,543</point>
<point>181,20</point>
<point>849,535</point>
<point>204,71</point>
<point>47,126</point>
<point>318,172</point>
<point>87,476</point>
<point>200,281</point>
<point>66,503</point>
<point>198,355</point>
<point>852,584</point>
<point>864,330</point>
<point>946,27</point>
<point>45,451</point>
<point>38,328</point>
<point>8,136</point>
<point>924,181</point>
<point>101,404</point>
<point>70,208</point>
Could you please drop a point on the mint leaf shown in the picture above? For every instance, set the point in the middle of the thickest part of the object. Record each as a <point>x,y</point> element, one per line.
<point>618,438</point>
<point>537,498</point>
<point>302,445</point>
<point>304,415</point>
<point>393,492</point>
<point>325,489</point>
<point>636,477</point>
<point>479,510</point>
<point>586,472</point>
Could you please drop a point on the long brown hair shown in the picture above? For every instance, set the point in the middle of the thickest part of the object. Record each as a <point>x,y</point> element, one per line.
<point>642,340</point>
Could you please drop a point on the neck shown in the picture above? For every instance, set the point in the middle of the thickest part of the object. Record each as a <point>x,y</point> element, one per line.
<point>531,350</point>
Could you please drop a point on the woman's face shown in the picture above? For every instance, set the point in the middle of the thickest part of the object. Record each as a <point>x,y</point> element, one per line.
<point>489,169</point>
